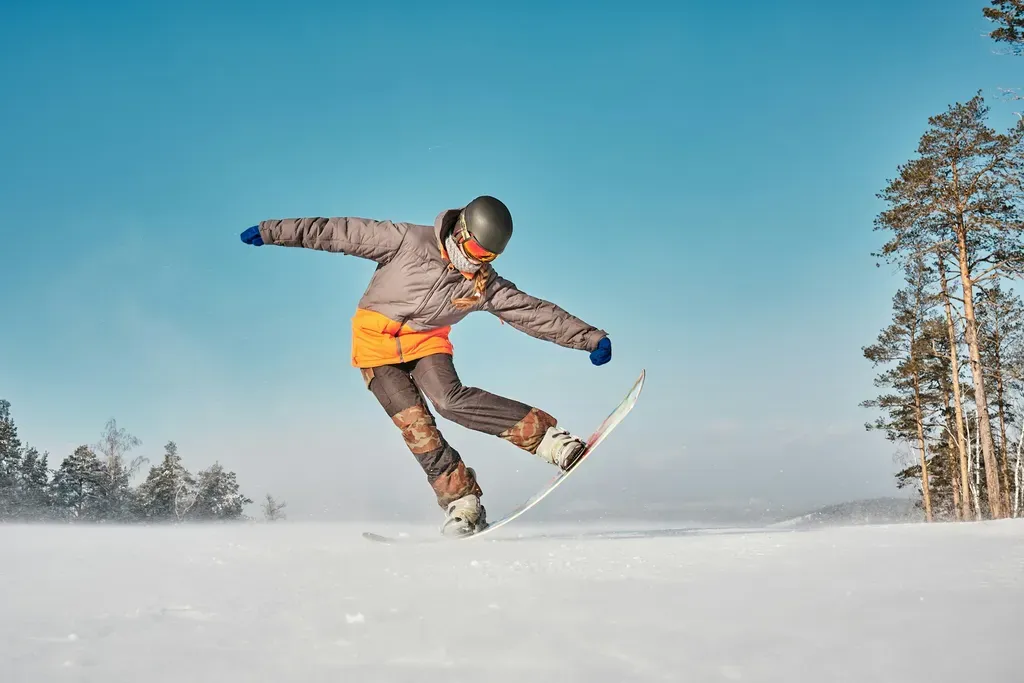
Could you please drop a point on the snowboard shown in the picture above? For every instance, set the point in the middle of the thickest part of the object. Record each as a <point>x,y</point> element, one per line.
<point>599,435</point>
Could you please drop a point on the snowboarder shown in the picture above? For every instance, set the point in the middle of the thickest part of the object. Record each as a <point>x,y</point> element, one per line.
<point>427,279</point>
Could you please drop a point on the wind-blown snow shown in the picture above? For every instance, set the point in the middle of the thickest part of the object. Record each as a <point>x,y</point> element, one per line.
<point>315,602</point>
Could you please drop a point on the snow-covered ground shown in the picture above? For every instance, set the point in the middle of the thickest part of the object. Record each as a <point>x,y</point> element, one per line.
<point>308,602</point>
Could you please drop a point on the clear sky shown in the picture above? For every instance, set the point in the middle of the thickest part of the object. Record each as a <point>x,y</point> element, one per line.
<point>697,178</point>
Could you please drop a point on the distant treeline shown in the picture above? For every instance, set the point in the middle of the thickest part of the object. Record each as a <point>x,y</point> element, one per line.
<point>94,484</point>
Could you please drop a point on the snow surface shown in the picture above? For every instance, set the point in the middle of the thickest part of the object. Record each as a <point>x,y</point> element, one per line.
<point>310,602</point>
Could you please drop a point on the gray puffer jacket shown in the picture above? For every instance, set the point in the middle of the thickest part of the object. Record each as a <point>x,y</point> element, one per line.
<point>407,308</point>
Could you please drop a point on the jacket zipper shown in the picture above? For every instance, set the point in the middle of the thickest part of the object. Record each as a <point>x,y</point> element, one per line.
<point>401,323</point>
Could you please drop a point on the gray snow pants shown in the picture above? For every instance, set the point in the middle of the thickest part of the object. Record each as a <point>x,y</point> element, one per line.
<point>400,388</point>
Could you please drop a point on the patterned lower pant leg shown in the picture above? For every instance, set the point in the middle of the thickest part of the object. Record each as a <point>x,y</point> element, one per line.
<point>473,408</point>
<point>529,432</point>
<point>400,398</point>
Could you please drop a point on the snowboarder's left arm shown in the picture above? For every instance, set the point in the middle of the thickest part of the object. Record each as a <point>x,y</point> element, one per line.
<point>539,318</point>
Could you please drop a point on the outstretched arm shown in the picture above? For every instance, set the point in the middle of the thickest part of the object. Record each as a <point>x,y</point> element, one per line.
<point>539,318</point>
<point>362,237</point>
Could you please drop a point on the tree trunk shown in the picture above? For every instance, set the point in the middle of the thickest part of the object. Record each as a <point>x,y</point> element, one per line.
<point>954,360</point>
<point>954,459</point>
<point>994,494</point>
<point>1018,470</point>
<point>972,490</point>
<point>954,480</point>
<point>1004,448</point>
<point>925,487</point>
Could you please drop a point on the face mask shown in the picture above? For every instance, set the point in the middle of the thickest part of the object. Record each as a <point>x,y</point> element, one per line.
<point>458,259</point>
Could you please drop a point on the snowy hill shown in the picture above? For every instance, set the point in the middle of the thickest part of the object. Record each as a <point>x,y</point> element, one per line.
<point>873,511</point>
<point>710,514</point>
<point>315,602</point>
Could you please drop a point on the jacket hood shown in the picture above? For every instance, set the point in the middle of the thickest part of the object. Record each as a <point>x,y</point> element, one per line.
<point>444,222</point>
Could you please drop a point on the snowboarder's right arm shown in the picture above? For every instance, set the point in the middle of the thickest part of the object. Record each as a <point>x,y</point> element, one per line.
<point>362,237</point>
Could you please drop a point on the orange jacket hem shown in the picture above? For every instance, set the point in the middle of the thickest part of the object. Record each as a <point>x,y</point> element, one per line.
<point>377,340</point>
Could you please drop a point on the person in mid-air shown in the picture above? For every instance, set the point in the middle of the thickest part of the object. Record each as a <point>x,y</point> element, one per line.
<point>427,279</point>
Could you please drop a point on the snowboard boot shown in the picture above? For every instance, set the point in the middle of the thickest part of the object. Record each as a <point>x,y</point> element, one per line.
<point>560,448</point>
<point>465,515</point>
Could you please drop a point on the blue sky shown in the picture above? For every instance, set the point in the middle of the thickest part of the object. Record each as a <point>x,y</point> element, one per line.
<point>697,178</point>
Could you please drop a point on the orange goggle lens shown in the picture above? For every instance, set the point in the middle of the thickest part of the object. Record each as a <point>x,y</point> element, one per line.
<point>475,251</point>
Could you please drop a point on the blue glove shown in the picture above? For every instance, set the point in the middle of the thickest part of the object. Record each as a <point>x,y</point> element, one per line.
<point>252,236</point>
<point>603,353</point>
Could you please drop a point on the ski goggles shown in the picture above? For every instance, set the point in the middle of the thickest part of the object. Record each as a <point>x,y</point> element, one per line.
<point>470,246</point>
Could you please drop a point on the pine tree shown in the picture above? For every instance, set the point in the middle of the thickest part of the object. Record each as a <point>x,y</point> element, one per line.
<point>34,484</point>
<point>963,192</point>
<point>10,462</point>
<point>945,468</point>
<point>169,490</point>
<point>909,343</point>
<point>1008,15</point>
<point>80,486</point>
<point>218,495</point>
<point>23,473</point>
<point>947,481</point>
<point>1000,331</point>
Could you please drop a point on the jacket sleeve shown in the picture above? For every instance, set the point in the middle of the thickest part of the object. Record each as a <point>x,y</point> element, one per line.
<point>362,237</point>
<point>539,318</point>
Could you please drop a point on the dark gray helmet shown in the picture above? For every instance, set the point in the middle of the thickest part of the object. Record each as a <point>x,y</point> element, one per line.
<point>489,222</point>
